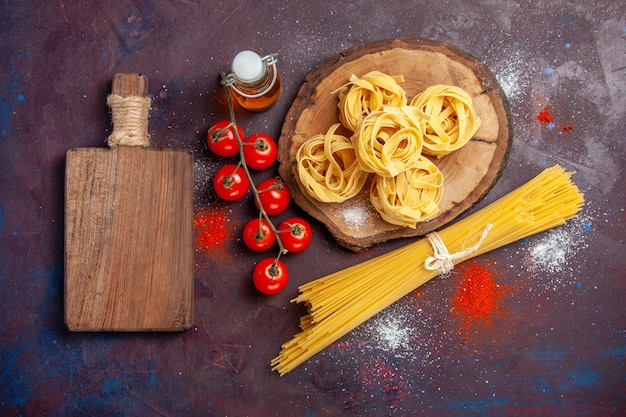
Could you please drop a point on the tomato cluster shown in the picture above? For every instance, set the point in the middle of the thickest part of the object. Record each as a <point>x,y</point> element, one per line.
<point>232,182</point>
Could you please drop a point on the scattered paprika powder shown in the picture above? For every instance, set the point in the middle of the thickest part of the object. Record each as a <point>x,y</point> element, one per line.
<point>544,115</point>
<point>546,118</point>
<point>210,225</point>
<point>477,298</point>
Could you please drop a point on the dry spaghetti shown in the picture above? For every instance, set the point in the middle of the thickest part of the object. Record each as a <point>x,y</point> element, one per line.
<point>341,301</point>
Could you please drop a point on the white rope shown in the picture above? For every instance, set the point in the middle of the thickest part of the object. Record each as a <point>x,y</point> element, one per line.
<point>442,260</point>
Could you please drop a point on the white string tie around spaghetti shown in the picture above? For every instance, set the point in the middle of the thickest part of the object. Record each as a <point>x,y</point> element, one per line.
<point>442,260</point>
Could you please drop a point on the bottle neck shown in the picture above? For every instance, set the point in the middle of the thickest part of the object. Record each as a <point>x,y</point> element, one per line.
<point>257,88</point>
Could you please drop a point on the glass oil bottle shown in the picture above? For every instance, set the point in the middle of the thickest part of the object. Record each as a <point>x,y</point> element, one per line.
<point>254,81</point>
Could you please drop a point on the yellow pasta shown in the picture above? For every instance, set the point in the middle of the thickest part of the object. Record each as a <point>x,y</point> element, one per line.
<point>369,93</point>
<point>389,139</point>
<point>452,119</point>
<point>341,301</point>
<point>328,168</point>
<point>387,142</point>
<point>411,196</point>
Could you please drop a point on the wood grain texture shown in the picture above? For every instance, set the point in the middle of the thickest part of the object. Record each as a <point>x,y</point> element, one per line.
<point>132,84</point>
<point>129,238</point>
<point>469,173</point>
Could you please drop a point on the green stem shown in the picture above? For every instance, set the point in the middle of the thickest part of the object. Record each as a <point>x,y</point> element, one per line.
<point>230,177</point>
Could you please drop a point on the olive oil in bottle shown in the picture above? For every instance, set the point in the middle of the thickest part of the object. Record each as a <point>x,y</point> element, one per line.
<point>254,81</point>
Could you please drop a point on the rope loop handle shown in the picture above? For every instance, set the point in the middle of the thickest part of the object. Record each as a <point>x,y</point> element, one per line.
<point>129,116</point>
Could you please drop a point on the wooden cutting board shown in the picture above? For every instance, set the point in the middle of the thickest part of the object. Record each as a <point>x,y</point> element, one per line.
<point>469,173</point>
<point>129,226</point>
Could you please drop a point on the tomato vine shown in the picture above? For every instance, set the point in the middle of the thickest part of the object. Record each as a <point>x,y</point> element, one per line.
<point>277,267</point>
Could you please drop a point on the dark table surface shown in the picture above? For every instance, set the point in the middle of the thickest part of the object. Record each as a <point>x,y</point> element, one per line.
<point>556,342</point>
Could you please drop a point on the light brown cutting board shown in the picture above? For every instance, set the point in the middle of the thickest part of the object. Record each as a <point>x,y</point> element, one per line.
<point>129,233</point>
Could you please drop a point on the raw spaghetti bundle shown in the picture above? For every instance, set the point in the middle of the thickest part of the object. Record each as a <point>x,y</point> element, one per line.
<point>341,301</point>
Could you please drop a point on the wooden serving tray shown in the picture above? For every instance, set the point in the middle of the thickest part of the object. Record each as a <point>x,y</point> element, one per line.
<point>469,173</point>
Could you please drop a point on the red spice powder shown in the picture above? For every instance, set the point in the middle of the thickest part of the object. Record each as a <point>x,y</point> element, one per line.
<point>211,228</point>
<point>375,373</point>
<point>544,115</point>
<point>478,296</point>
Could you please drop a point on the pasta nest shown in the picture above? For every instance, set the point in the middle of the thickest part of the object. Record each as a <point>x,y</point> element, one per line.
<point>371,92</point>
<point>328,168</point>
<point>411,196</point>
<point>388,141</point>
<point>393,140</point>
<point>452,119</point>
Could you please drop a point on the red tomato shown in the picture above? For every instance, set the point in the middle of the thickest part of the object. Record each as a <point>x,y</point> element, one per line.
<point>257,235</point>
<point>270,276</point>
<point>222,140</point>
<point>295,234</point>
<point>274,196</point>
<point>259,151</point>
<point>231,182</point>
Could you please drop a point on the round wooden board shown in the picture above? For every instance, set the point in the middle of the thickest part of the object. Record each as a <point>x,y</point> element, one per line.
<point>469,173</point>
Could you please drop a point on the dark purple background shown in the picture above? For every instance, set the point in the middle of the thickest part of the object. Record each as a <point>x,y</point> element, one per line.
<point>557,345</point>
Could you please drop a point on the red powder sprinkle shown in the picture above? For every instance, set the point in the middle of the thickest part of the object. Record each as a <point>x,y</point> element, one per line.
<point>477,296</point>
<point>544,115</point>
<point>210,225</point>
<point>375,374</point>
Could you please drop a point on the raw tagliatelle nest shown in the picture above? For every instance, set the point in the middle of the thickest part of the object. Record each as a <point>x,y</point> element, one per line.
<point>371,92</point>
<point>451,121</point>
<point>388,140</point>
<point>411,195</point>
<point>329,167</point>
